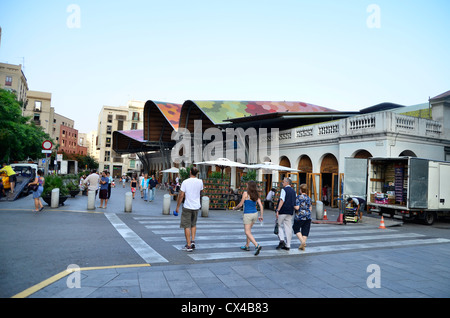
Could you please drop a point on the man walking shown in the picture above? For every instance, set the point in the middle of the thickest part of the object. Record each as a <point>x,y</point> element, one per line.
<point>190,191</point>
<point>284,211</point>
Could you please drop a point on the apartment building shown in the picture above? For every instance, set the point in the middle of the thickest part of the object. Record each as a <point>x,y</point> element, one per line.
<point>117,118</point>
<point>13,79</point>
<point>38,107</point>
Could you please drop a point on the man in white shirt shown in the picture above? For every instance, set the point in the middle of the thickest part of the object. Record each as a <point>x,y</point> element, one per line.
<point>93,180</point>
<point>190,191</point>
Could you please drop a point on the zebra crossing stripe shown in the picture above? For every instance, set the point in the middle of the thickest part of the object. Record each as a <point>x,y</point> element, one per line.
<point>314,250</point>
<point>267,235</point>
<point>273,243</point>
<point>142,249</point>
<point>228,234</point>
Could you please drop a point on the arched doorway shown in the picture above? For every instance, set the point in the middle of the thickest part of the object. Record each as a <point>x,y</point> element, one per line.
<point>329,180</point>
<point>407,153</point>
<point>362,154</point>
<point>285,162</point>
<point>305,167</point>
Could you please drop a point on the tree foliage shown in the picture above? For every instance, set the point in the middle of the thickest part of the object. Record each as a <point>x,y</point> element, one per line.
<point>19,139</point>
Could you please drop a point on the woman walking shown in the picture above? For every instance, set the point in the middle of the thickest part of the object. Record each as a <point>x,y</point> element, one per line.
<point>302,219</point>
<point>39,181</point>
<point>249,200</point>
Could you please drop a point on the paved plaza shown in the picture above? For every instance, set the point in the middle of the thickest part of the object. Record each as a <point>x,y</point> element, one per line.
<point>340,261</point>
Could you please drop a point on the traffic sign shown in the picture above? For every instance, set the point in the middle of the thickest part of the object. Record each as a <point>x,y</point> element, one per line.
<point>47,145</point>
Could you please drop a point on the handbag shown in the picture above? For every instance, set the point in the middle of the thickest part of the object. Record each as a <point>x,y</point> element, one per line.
<point>275,230</point>
<point>34,187</point>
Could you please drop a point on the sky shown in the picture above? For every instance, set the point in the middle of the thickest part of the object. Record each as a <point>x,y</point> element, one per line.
<point>341,54</point>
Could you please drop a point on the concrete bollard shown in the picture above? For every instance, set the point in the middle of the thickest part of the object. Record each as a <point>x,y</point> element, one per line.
<point>55,198</point>
<point>166,204</point>
<point>319,210</point>
<point>128,202</point>
<point>205,206</point>
<point>91,200</point>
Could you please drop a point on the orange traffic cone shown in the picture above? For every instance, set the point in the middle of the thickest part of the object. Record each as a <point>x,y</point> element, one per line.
<point>382,223</point>
<point>325,215</point>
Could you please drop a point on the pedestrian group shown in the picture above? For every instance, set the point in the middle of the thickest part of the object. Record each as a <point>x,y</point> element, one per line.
<point>290,205</point>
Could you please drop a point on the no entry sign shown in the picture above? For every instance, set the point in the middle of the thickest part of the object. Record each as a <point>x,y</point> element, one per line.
<point>47,145</point>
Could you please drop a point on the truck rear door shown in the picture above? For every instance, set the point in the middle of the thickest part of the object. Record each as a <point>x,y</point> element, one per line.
<point>355,177</point>
<point>418,183</point>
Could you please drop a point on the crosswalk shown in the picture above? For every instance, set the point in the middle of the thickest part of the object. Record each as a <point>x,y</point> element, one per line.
<point>221,239</point>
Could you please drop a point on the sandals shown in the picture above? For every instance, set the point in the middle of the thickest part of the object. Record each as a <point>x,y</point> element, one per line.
<point>246,248</point>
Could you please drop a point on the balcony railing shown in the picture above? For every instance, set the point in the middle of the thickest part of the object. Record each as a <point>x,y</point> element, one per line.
<point>364,124</point>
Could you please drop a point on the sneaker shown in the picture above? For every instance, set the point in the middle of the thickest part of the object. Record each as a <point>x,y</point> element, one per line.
<point>187,248</point>
<point>245,248</point>
<point>258,249</point>
<point>193,244</point>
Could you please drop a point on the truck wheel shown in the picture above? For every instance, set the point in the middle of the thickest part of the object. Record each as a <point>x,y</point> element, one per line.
<point>429,218</point>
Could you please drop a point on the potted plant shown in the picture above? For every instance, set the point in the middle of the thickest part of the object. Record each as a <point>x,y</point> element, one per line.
<point>72,187</point>
<point>53,182</point>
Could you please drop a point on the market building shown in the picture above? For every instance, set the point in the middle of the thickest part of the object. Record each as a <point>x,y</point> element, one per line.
<point>313,139</point>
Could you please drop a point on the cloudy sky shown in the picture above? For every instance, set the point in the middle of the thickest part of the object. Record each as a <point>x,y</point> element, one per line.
<point>341,54</point>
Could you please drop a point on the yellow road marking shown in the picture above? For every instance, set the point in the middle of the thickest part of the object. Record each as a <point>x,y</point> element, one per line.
<point>29,291</point>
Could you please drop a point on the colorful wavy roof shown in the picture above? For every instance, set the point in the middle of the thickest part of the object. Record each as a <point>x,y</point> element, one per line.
<point>221,111</point>
<point>171,112</point>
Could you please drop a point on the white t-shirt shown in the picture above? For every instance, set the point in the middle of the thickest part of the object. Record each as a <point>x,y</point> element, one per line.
<point>191,188</point>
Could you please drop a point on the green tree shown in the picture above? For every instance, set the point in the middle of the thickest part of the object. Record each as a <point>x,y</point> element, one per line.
<point>19,139</point>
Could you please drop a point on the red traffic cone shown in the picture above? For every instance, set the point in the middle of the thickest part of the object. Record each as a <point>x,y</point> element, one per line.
<point>382,224</point>
<point>325,215</point>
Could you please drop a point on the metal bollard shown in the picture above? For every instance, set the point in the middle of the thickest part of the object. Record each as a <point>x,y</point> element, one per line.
<point>55,198</point>
<point>91,200</point>
<point>205,206</point>
<point>166,204</point>
<point>128,201</point>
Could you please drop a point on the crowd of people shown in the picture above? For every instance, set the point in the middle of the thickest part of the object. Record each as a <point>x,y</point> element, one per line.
<point>293,212</point>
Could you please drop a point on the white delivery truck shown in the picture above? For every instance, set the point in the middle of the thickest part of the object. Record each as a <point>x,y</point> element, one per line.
<point>414,188</point>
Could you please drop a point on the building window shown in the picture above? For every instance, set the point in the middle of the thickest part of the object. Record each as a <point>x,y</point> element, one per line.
<point>8,81</point>
<point>37,106</point>
<point>110,118</point>
<point>107,155</point>
<point>135,116</point>
<point>108,142</point>
<point>36,119</point>
<point>108,130</point>
<point>134,126</point>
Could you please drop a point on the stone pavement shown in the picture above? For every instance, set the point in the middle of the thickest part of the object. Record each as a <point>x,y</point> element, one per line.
<point>406,272</point>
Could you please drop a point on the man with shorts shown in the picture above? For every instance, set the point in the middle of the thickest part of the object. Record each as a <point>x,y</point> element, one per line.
<point>11,174</point>
<point>190,190</point>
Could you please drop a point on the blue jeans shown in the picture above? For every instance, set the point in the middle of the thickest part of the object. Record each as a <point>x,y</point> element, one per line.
<point>145,194</point>
<point>152,194</point>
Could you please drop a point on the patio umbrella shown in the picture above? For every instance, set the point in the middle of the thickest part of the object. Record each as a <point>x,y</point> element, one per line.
<point>223,163</point>
<point>272,166</point>
<point>172,170</point>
